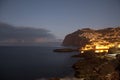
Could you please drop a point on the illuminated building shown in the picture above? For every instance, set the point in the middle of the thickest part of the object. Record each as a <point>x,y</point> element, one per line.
<point>101,46</point>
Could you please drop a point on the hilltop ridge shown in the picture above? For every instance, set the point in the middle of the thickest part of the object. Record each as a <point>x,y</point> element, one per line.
<point>84,36</point>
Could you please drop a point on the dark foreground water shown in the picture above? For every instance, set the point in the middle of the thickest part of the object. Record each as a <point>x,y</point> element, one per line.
<point>33,62</point>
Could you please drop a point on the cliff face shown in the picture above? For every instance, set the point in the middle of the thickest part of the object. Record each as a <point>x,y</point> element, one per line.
<point>74,39</point>
<point>84,36</point>
<point>97,68</point>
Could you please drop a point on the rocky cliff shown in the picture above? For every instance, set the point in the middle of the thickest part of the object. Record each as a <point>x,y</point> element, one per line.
<point>97,68</point>
<point>84,36</point>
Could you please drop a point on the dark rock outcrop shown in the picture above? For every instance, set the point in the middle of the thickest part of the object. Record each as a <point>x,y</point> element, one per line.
<point>96,68</point>
<point>74,39</point>
<point>65,50</point>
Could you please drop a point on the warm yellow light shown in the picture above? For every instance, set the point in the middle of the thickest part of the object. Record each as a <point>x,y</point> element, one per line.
<point>88,47</point>
<point>101,51</point>
<point>118,45</point>
<point>101,47</point>
<point>106,50</point>
<point>82,51</point>
<point>97,51</point>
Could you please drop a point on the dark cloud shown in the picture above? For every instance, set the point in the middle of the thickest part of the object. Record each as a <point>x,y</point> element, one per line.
<point>9,32</point>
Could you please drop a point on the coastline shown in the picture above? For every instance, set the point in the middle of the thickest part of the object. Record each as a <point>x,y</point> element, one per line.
<point>93,67</point>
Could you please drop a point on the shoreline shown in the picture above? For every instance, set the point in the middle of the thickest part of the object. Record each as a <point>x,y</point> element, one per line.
<point>93,67</point>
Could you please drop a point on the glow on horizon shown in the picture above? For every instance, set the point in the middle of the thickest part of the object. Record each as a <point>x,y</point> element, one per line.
<point>61,16</point>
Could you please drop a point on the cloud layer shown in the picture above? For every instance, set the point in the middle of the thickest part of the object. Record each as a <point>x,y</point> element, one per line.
<point>9,33</point>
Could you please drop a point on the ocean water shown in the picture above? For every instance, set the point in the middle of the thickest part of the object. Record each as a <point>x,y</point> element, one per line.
<point>34,62</point>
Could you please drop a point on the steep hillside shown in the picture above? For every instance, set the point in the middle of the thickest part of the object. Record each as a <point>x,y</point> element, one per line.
<point>84,36</point>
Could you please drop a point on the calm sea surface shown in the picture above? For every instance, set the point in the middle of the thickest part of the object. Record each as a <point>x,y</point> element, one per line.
<point>33,62</point>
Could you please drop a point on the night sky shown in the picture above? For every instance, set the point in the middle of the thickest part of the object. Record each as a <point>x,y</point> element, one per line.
<point>61,16</point>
